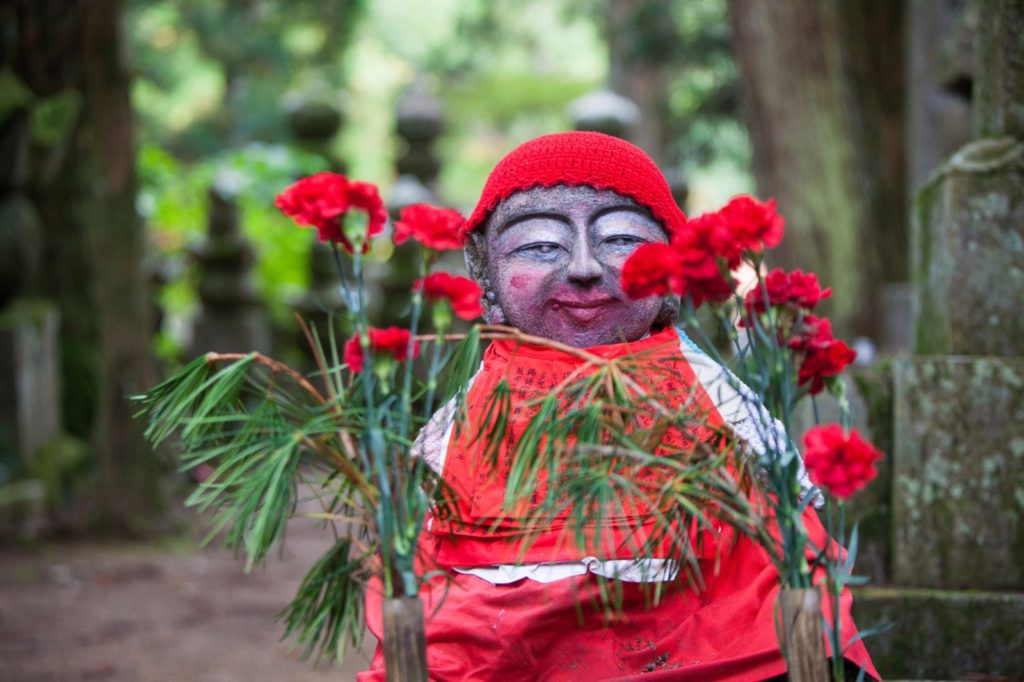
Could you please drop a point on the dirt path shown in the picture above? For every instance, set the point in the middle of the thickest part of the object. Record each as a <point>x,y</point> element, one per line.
<point>139,613</point>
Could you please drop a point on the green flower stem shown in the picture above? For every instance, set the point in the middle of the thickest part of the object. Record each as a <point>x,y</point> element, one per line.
<point>352,303</point>
<point>346,286</point>
<point>435,361</point>
<point>409,522</point>
<point>775,371</point>
<point>374,437</point>
<point>417,308</point>
<point>836,581</point>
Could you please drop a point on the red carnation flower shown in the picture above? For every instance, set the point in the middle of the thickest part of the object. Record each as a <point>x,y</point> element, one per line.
<point>837,462</point>
<point>824,355</point>
<point>317,201</point>
<point>463,293</point>
<point>433,227</point>
<point>813,333</point>
<point>824,362</point>
<point>797,288</point>
<point>651,270</point>
<point>754,224</point>
<point>711,234</point>
<point>323,199</point>
<point>688,267</point>
<point>392,340</point>
<point>701,262</point>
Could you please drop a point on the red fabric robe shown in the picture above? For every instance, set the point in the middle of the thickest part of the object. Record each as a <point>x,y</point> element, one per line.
<point>529,630</point>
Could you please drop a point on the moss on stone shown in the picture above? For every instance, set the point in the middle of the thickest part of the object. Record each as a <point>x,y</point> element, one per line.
<point>956,483</point>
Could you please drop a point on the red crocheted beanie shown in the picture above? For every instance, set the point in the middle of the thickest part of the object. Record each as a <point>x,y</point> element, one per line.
<point>580,158</point>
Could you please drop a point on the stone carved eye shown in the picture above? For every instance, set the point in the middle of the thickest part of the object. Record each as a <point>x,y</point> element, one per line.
<point>542,249</point>
<point>623,240</point>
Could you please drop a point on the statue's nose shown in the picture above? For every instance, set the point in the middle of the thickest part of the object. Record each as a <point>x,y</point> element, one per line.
<point>584,266</point>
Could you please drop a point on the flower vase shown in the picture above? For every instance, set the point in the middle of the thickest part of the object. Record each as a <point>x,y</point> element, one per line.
<point>802,635</point>
<point>405,641</point>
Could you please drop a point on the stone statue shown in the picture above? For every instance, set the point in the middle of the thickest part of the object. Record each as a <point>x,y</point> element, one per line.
<point>557,219</point>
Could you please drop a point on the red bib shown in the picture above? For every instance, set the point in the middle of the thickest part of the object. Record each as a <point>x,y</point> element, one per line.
<point>488,534</point>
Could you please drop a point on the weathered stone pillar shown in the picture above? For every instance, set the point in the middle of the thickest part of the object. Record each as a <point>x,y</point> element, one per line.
<point>231,318</point>
<point>419,121</point>
<point>604,111</point>
<point>958,455</point>
<point>30,385</point>
<point>321,303</point>
<point>960,403</point>
<point>30,398</point>
<point>314,120</point>
<point>968,252</point>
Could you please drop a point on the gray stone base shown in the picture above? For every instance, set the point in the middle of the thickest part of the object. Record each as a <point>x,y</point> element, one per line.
<point>958,478</point>
<point>943,635</point>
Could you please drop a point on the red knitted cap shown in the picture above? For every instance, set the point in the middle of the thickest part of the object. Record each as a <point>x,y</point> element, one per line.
<point>580,158</point>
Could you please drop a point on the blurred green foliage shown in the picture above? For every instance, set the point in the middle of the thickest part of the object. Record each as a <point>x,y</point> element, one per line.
<point>173,199</point>
<point>211,77</point>
<point>210,73</point>
<point>704,95</point>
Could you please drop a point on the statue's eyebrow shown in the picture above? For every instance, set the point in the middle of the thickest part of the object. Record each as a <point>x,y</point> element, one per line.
<point>632,208</point>
<point>529,215</point>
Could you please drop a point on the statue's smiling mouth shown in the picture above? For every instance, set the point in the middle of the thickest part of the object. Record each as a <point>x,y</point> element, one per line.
<point>583,310</point>
<point>582,303</point>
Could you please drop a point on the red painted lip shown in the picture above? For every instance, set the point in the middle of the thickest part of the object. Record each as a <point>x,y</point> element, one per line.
<point>585,303</point>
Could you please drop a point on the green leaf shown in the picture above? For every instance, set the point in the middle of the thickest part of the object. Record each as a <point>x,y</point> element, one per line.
<point>326,614</point>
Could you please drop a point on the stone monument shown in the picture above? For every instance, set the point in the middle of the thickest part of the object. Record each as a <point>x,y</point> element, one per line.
<point>231,318</point>
<point>30,397</point>
<point>419,122</point>
<point>958,403</point>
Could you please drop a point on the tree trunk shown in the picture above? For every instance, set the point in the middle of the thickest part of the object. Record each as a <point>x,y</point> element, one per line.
<point>873,40</point>
<point>821,84</point>
<point>84,186</point>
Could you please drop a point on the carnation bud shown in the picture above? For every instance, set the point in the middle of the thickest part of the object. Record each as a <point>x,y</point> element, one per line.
<point>441,313</point>
<point>354,226</point>
<point>383,364</point>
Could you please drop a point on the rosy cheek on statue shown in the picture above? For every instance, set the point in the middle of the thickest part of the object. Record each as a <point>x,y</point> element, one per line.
<point>523,290</point>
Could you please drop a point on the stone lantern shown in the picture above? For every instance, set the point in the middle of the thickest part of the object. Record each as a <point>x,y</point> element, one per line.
<point>604,111</point>
<point>231,318</point>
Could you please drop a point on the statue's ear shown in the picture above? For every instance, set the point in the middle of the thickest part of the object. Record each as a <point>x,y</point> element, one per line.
<point>476,264</point>
<point>474,251</point>
<point>493,314</point>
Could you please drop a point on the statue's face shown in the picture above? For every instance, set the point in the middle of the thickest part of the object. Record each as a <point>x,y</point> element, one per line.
<point>554,256</point>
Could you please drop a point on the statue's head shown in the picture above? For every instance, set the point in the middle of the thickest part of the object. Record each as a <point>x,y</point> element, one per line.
<point>556,220</point>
